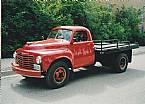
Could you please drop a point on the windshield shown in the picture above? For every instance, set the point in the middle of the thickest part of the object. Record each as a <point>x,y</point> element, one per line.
<point>60,34</point>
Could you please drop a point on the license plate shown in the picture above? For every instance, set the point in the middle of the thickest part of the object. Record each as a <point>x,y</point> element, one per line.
<point>37,67</point>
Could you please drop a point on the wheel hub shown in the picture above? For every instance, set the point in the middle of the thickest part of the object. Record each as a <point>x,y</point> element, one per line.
<point>59,75</point>
<point>123,63</point>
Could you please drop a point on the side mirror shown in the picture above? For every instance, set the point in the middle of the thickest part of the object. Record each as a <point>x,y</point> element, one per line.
<point>71,42</point>
<point>75,39</point>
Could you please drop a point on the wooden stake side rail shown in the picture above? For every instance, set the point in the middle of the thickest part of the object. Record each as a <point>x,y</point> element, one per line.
<point>105,46</point>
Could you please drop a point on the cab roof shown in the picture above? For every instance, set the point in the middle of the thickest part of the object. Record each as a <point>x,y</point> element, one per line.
<point>73,28</point>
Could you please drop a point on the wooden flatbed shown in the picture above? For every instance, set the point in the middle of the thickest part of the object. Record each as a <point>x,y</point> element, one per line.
<point>111,46</point>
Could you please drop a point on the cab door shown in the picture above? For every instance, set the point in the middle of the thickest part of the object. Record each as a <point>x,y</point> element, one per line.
<point>82,49</point>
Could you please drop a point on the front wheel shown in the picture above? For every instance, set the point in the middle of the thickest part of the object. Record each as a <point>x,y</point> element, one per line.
<point>57,75</point>
<point>120,64</point>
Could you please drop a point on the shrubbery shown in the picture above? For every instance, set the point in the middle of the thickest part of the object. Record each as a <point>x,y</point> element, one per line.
<point>28,20</point>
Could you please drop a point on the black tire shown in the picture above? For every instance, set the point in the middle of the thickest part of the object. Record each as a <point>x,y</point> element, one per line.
<point>120,64</point>
<point>57,75</point>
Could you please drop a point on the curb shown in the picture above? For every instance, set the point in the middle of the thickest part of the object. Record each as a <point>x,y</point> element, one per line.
<point>139,53</point>
<point>7,73</point>
<point>10,72</point>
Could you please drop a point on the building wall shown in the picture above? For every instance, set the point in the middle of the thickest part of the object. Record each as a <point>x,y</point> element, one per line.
<point>139,4</point>
<point>133,3</point>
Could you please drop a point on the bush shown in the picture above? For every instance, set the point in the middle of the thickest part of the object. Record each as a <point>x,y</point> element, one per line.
<point>28,20</point>
<point>138,38</point>
<point>100,21</point>
<point>129,20</point>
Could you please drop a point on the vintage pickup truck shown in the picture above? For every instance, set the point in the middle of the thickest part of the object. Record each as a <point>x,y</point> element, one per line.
<point>66,49</point>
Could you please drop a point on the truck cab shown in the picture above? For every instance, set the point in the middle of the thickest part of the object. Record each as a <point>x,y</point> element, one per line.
<point>65,49</point>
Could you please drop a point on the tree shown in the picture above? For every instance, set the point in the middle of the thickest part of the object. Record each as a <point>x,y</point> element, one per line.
<point>28,20</point>
<point>129,20</point>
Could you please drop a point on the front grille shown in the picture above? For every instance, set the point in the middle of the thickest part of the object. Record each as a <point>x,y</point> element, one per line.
<point>25,60</point>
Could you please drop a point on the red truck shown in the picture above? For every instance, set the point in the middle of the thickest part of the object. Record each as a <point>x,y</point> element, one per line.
<point>68,48</point>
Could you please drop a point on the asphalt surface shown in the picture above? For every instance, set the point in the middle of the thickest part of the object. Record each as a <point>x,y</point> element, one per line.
<point>94,86</point>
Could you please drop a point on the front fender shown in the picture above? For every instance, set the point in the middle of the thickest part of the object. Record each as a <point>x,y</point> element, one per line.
<point>51,57</point>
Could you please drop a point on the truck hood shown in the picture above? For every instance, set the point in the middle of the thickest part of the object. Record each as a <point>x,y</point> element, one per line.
<point>46,44</point>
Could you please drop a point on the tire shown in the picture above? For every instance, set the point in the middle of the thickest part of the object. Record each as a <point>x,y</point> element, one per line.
<point>120,64</point>
<point>57,75</point>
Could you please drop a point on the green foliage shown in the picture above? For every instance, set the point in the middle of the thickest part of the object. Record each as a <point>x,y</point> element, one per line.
<point>101,20</point>
<point>28,20</point>
<point>129,19</point>
<point>75,10</point>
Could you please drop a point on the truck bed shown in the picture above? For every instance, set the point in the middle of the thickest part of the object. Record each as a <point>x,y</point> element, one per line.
<point>110,46</point>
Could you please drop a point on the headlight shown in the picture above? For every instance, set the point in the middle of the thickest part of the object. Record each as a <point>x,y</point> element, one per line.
<point>38,60</point>
<point>14,54</point>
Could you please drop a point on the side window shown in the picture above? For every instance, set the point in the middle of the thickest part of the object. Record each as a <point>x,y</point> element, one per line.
<point>80,36</point>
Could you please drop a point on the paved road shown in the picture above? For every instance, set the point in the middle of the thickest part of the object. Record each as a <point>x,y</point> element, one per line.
<point>97,86</point>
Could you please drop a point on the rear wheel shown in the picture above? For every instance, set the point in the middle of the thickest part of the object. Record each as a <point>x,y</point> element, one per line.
<point>57,75</point>
<point>120,64</point>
